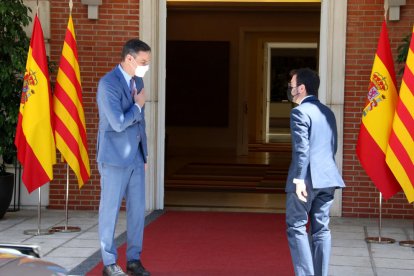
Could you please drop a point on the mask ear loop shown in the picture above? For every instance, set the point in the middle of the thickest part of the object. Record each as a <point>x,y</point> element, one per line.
<point>297,90</point>
<point>132,57</point>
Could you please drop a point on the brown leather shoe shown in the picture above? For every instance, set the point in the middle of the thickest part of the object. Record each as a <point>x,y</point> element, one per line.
<point>135,268</point>
<point>113,270</point>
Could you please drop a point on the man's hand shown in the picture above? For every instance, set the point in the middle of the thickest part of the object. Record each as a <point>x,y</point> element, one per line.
<point>139,98</point>
<point>301,190</point>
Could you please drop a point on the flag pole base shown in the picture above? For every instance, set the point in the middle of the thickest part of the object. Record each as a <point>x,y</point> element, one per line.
<point>38,232</point>
<point>409,243</point>
<point>381,240</point>
<point>65,229</point>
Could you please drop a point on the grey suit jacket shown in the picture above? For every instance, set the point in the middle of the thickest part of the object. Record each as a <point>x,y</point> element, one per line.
<point>314,145</point>
<point>121,134</point>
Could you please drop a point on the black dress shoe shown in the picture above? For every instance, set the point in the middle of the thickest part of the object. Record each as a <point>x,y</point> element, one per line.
<point>113,270</point>
<point>135,268</point>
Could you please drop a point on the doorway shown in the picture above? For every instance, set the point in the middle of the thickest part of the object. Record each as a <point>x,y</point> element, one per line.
<point>214,91</point>
<point>279,60</point>
<point>332,45</point>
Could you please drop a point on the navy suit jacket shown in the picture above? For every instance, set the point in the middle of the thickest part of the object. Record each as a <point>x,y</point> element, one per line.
<point>121,134</point>
<point>314,145</point>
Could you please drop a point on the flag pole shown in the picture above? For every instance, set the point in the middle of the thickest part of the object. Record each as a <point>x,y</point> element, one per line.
<point>379,239</point>
<point>408,243</point>
<point>38,231</point>
<point>66,228</point>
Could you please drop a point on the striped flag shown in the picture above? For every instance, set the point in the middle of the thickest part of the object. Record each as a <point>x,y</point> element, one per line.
<point>34,139</point>
<point>400,152</point>
<point>377,117</point>
<point>70,127</point>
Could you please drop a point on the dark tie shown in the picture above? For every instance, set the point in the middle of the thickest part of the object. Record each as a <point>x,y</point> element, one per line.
<point>132,86</point>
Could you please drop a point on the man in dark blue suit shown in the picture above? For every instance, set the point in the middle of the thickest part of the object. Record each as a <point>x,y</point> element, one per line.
<point>313,175</point>
<point>122,156</point>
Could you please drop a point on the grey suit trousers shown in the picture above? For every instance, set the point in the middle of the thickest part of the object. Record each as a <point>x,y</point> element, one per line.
<point>310,254</point>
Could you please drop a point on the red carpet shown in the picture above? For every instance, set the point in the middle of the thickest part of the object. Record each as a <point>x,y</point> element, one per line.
<point>214,243</point>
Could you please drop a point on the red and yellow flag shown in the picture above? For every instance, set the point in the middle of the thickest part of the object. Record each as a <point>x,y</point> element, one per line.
<point>400,152</point>
<point>377,118</point>
<point>70,127</point>
<point>34,140</point>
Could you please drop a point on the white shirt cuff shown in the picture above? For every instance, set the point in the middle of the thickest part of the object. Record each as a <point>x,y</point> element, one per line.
<point>298,181</point>
<point>139,108</point>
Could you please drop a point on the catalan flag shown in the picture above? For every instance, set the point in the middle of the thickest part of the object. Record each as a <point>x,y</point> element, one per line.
<point>400,152</point>
<point>34,139</point>
<point>70,127</point>
<point>377,117</point>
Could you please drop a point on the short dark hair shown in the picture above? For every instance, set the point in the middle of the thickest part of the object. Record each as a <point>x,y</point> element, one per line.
<point>309,78</point>
<point>133,47</point>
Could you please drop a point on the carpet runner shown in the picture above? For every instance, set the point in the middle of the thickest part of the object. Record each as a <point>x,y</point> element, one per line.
<point>214,243</point>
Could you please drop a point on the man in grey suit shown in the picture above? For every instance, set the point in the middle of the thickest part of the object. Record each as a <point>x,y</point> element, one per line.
<point>122,156</point>
<point>313,175</point>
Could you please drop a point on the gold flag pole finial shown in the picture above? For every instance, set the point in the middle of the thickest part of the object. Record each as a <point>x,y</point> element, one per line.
<point>385,9</point>
<point>70,6</point>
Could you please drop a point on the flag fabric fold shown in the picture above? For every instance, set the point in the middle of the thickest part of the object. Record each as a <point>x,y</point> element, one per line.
<point>377,118</point>
<point>34,139</point>
<point>70,127</point>
<point>400,152</point>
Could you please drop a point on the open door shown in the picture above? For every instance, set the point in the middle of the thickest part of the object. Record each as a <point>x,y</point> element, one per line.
<point>279,60</point>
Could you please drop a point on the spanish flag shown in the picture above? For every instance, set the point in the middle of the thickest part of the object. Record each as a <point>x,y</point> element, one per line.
<point>70,127</point>
<point>34,139</point>
<point>377,117</point>
<point>400,152</point>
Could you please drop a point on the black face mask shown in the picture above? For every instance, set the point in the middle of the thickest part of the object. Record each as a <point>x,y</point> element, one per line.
<point>289,94</point>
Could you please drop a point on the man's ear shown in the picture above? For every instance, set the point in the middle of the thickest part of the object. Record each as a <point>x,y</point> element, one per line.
<point>129,57</point>
<point>300,89</point>
<point>304,89</point>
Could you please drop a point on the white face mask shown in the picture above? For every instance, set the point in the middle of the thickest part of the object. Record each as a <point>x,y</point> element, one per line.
<point>141,70</point>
